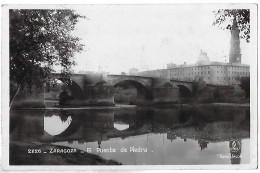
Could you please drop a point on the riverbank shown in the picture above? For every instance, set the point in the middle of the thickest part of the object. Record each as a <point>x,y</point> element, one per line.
<point>169,105</point>
<point>201,105</point>
<point>20,155</point>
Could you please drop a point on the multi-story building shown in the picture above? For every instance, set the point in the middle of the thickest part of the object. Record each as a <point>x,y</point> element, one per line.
<point>213,73</point>
<point>219,73</point>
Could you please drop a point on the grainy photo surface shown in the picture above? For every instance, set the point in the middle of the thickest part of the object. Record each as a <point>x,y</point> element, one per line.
<point>130,85</point>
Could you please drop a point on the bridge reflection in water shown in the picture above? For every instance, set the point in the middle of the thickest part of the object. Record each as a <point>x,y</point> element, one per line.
<point>170,135</point>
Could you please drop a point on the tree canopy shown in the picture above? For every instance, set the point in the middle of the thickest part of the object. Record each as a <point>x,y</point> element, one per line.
<point>225,17</point>
<point>40,40</point>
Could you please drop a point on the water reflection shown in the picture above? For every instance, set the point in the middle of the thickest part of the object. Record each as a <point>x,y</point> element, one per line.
<point>56,123</point>
<point>121,126</point>
<point>199,135</point>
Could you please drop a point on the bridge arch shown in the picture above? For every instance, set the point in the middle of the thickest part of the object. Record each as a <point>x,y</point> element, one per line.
<point>184,91</point>
<point>74,83</point>
<point>143,91</point>
<point>73,86</point>
<point>135,79</point>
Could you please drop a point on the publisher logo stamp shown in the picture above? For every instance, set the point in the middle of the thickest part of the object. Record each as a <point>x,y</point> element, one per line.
<point>234,145</point>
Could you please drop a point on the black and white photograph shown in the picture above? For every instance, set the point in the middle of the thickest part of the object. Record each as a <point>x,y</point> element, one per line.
<point>139,85</point>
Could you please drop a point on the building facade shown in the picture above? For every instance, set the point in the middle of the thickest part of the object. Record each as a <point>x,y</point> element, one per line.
<point>213,73</point>
<point>217,73</point>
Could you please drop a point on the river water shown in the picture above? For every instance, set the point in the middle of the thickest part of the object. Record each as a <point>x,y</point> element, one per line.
<point>142,135</point>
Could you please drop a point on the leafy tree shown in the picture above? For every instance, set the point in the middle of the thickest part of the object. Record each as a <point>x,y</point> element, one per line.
<point>225,17</point>
<point>39,41</point>
<point>245,85</point>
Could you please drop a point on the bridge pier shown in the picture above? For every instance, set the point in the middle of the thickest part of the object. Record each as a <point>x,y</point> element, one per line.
<point>159,95</point>
<point>95,96</point>
<point>165,95</point>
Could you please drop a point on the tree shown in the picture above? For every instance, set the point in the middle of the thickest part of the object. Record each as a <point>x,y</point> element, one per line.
<point>245,85</point>
<point>39,41</point>
<point>225,17</point>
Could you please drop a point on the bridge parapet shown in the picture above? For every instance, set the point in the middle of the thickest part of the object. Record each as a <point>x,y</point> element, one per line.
<point>114,79</point>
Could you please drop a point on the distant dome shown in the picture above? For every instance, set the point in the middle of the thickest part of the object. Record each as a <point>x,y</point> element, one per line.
<point>203,58</point>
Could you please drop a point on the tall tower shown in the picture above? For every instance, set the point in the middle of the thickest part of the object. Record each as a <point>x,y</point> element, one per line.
<point>235,52</point>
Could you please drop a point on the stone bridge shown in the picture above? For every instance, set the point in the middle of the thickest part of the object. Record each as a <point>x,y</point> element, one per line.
<point>98,89</point>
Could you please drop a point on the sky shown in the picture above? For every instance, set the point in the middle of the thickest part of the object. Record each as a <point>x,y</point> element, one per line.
<point>147,37</point>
